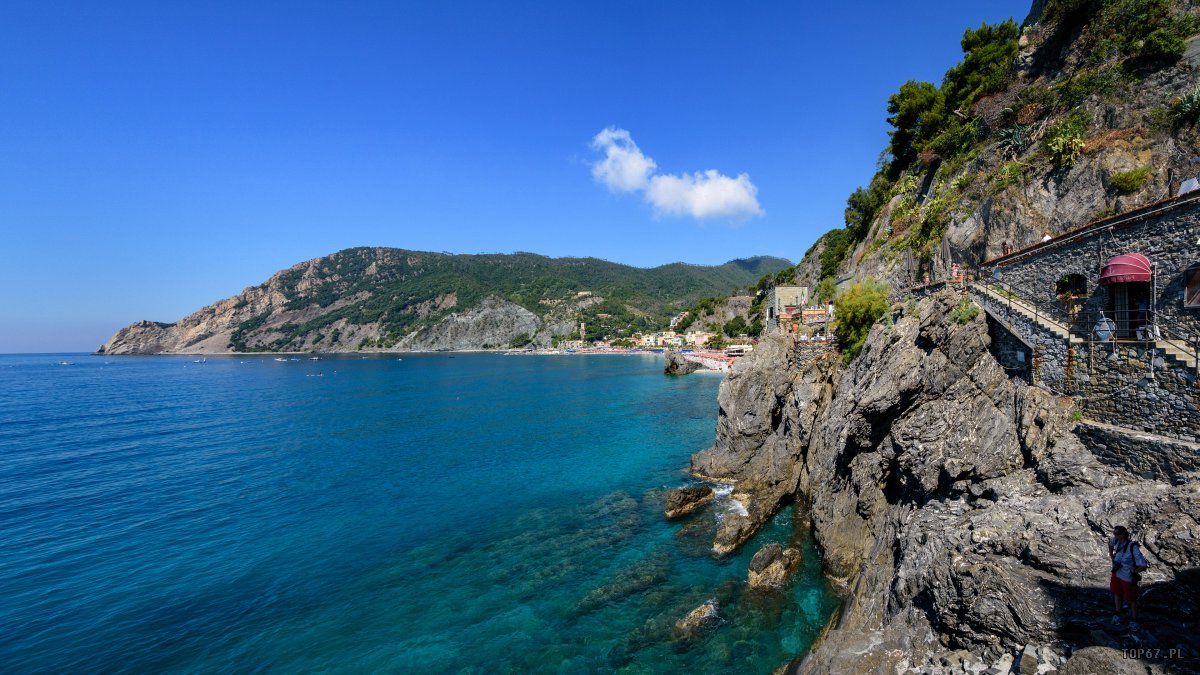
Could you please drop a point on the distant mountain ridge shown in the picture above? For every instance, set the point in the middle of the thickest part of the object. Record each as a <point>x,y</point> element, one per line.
<point>387,299</point>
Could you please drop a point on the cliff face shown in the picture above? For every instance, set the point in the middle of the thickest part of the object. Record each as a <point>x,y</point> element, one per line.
<point>964,516</point>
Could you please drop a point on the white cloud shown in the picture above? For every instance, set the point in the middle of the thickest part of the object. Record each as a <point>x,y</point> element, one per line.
<point>624,167</point>
<point>704,194</point>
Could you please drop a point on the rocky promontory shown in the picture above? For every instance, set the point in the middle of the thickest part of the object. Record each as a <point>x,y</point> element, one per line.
<point>965,518</point>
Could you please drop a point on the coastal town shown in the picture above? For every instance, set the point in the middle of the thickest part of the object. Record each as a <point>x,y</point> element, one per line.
<point>788,310</point>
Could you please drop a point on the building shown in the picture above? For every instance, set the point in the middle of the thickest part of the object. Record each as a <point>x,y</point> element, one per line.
<point>1109,313</point>
<point>815,314</point>
<point>784,300</point>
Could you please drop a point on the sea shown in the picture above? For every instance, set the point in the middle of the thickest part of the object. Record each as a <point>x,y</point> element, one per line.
<point>440,513</point>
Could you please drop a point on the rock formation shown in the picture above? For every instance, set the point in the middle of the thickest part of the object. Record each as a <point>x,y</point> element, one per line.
<point>682,501</point>
<point>696,621</point>
<point>1004,188</point>
<point>956,505</point>
<point>677,365</point>
<point>772,567</point>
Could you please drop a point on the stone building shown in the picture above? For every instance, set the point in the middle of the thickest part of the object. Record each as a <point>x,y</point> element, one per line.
<point>784,300</point>
<point>1108,313</point>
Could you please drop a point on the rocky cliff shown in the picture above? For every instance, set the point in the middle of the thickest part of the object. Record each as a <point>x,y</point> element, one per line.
<point>1088,109</point>
<point>393,299</point>
<point>962,513</point>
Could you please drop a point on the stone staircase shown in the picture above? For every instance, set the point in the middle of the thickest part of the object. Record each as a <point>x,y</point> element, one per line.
<point>1015,304</point>
<point>1173,352</point>
<point>1028,311</point>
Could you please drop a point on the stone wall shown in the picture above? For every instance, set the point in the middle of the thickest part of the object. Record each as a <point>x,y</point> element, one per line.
<point>1129,384</point>
<point>1014,355</point>
<point>1140,388</point>
<point>807,350</point>
<point>1132,384</point>
<point>1144,455</point>
<point>1053,362</point>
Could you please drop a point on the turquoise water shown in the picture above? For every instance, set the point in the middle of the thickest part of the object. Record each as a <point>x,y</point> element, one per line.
<point>461,514</point>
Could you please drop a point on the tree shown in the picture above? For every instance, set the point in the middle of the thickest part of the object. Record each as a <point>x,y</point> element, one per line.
<point>716,342</point>
<point>917,113</point>
<point>863,203</point>
<point>837,243</point>
<point>988,55</point>
<point>857,309</point>
<point>736,326</point>
<point>826,289</point>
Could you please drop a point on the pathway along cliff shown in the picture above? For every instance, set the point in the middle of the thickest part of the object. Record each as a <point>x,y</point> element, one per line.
<point>966,519</point>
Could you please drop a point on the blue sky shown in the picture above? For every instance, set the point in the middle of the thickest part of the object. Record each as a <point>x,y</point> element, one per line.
<point>156,157</point>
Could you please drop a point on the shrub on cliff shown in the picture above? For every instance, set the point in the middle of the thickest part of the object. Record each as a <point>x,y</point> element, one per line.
<point>1186,109</point>
<point>826,290</point>
<point>855,311</point>
<point>965,312</point>
<point>1064,138</point>
<point>1131,181</point>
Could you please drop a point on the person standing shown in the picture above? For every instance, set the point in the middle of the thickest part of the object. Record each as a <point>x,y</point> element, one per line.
<point>1127,565</point>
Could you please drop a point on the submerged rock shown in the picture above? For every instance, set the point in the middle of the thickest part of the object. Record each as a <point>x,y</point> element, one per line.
<point>697,621</point>
<point>638,577</point>
<point>772,567</point>
<point>684,500</point>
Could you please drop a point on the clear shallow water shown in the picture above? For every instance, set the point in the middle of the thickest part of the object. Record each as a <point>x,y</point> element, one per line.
<point>476,513</point>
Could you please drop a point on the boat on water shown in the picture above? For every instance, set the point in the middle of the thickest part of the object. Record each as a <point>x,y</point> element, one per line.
<point>281,359</point>
<point>314,358</point>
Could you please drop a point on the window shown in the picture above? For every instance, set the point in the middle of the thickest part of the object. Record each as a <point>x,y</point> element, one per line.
<point>1071,286</point>
<point>1191,286</point>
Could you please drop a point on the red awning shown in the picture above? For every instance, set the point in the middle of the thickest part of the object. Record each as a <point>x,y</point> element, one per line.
<point>1126,268</point>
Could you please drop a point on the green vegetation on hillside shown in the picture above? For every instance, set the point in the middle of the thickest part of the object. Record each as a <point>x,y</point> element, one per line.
<point>858,308</point>
<point>935,165</point>
<point>403,290</point>
<point>1132,180</point>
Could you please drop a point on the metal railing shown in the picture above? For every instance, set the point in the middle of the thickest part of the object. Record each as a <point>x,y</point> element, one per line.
<point>1125,326</point>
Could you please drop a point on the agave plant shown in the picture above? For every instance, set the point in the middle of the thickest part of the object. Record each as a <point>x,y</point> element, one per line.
<point>1186,109</point>
<point>1015,139</point>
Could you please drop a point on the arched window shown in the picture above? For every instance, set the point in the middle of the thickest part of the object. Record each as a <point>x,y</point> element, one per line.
<point>1071,290</point>
<point>1071,286</point>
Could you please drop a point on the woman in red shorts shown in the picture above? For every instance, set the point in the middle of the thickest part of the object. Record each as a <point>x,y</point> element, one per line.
<point>1127,561</point>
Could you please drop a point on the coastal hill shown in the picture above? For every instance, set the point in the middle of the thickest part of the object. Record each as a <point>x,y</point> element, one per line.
<point>395,299</point>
